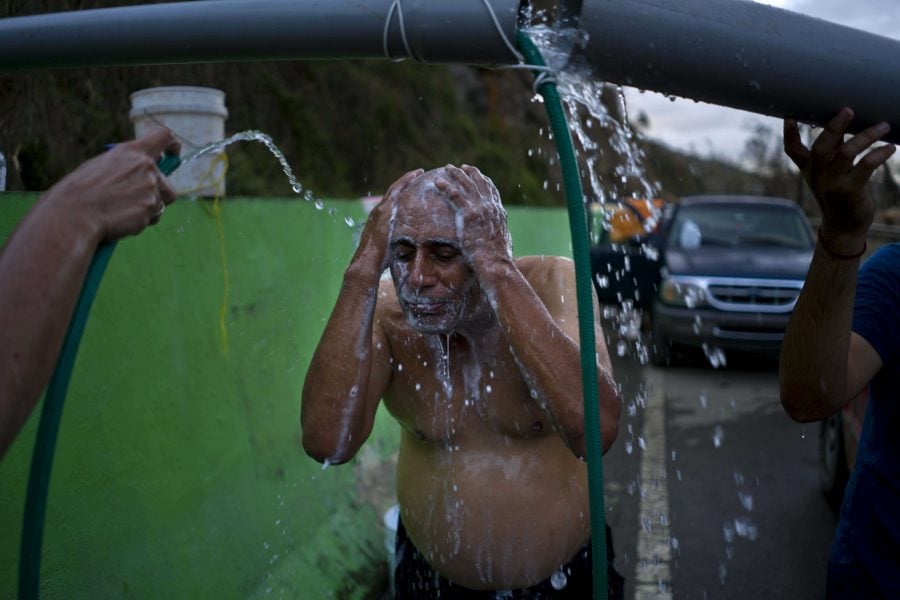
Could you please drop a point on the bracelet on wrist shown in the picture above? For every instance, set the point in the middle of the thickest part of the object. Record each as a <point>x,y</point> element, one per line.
<point>838,255</point>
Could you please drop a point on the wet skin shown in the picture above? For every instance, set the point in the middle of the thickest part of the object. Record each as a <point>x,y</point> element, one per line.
<point>489,492</point>
<point>472,353</point>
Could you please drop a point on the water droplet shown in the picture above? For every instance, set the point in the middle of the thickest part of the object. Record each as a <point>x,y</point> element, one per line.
<point>714,355</point>
<point>728,532</point>
<point>745,528</point>
<point>558,580</point>
<point>319,204</point>
<point>643,354</point>
<point>349,221</point>
<point>718,434</point>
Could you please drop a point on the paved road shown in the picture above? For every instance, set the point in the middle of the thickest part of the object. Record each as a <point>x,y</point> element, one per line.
<point>711,489</point>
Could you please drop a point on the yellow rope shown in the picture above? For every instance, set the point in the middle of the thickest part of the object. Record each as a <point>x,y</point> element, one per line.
<point>215,180</point>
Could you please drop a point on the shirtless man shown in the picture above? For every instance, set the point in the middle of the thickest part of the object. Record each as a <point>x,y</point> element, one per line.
<point>476,355</point>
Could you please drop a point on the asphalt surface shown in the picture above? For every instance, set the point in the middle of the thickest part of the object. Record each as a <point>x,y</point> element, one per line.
<point>711,490</point>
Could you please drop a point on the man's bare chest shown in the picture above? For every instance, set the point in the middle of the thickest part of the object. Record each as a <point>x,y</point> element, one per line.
<point>445,389</point>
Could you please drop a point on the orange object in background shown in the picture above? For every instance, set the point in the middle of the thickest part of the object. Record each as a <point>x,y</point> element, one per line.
<point>633,218</point>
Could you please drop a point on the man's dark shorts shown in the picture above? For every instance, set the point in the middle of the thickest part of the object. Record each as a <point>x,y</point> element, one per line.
<point>414,579</point>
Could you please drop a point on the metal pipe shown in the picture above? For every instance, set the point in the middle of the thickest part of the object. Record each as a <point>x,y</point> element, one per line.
<point>734,53</point>
<point>745,55</point>
<point>457,31</point>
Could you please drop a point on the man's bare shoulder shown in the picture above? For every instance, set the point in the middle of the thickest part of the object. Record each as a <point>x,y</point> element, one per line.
<point>387,307</point>
<point>548,273</point>
<point>387,294</point>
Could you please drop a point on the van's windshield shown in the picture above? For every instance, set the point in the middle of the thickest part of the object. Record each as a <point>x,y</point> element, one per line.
<point>739,225</point>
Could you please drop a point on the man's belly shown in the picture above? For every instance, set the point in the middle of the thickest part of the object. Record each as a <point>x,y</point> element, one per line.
<point>494,518</point>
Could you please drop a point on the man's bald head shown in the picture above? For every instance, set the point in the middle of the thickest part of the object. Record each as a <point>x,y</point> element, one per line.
<point>423,188</point>
<point>422,195</point>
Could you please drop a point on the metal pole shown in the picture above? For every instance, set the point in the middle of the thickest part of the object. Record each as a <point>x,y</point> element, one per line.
<point>745,55</point>
<point>455,31</point>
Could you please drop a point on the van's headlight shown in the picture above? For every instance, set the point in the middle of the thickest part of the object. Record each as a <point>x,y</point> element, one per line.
<point>682,293</point>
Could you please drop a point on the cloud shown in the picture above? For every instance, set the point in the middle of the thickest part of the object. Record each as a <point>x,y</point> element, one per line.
<point>877,16</point>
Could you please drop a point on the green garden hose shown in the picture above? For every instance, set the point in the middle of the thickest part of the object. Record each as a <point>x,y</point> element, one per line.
<point>45,443</point>
<point>584,292</point>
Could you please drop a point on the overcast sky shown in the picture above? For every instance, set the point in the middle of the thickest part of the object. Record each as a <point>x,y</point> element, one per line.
<point>706,129</point>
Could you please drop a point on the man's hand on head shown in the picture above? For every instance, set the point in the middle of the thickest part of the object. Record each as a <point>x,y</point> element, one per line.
<point>375,238</point>
<point>480,218</point>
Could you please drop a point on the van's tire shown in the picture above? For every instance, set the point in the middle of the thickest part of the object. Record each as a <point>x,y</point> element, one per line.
<point>833,471</point>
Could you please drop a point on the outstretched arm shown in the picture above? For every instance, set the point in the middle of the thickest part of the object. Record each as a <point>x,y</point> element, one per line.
<point>541,321</point>
<point>823,363</point>
<point>43,264</point>
<point>350,368</point>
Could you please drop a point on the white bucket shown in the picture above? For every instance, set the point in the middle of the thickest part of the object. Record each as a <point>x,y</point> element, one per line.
<point>196,116</point>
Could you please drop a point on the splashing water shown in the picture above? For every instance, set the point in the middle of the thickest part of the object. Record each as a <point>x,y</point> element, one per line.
<point>745,528</point>
<point>717,436</point>
<point>252,135</point>
<point>715,356</point>
<point>444,359</point>
<point>558,580</point>
<point>596,111</point>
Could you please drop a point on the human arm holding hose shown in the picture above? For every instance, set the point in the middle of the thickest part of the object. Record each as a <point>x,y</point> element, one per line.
<point>823,363</point>
<point>350,368</point>
<point>538,315</point>
<point>44,262</point>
